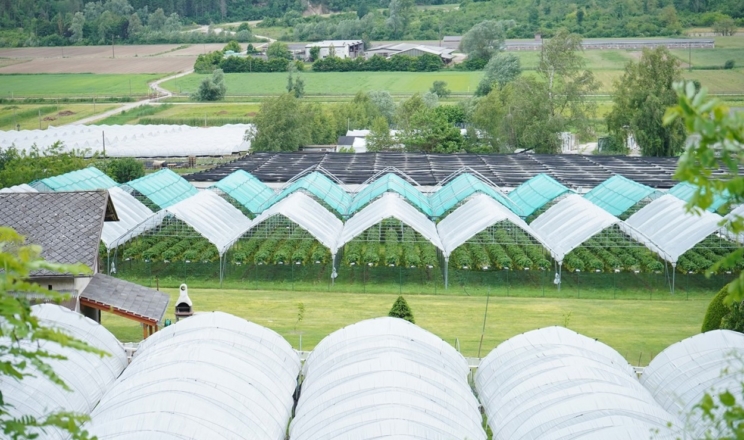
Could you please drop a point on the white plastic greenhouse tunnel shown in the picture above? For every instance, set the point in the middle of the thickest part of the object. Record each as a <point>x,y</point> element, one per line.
<point>88,375</point>
<point>385,378</point>
<point>678,377</point>
<point>554,383</point>
<point>212,375</point>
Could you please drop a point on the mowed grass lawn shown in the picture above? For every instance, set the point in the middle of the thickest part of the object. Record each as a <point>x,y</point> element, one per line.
<point>637,329</point>
<point>75,85</point>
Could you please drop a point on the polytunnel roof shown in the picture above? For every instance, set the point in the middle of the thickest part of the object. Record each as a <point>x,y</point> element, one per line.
<point>213,217</point>
<point>131,213</point>
<point>679,376</point>
<point>209,376</point>
<point>87,374</point>
<point>310,216</point>
<point>536,193</point>
<point>24,187</point>
<point>134,140</point>
<point>618,194</point>
<point>474,216</point>
<point>553,383</point>
<point>321,187</point>
<point>164,188</point>
<point>246,189</point>
<point>385,377</point>
<point>569,223</point>
<point>685,191</point>
<point>90,178</point>
<point>390,183</point>
<point>389,205</point>
<point>666,227</point>
<point>462,187</point>
<point>731,216</point>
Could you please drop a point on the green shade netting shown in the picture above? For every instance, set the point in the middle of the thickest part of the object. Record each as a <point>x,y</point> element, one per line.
<point>391,183</point>
<point>536,193</point>
<point>90,178</point>
<point>462,187</point>
<point>246,190</point>
<point>618,194</point>
<point>684,191</point>
<point>164,188</point>
<point>321,187</point>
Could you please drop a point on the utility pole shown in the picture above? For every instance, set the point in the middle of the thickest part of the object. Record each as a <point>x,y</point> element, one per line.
<point>39,119</point>
<point>113,37</point>
<point>689,59</point>
<point>103,141</point>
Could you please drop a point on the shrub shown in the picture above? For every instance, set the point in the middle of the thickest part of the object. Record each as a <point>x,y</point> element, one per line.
<point>729,64</point>
<point>401,310</point>
<point>716,311</point>
<point>734,319</point>
<point>125,169</point>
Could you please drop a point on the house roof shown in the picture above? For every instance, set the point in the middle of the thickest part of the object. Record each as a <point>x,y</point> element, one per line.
<point>404,47</point>
<point>335,43</point>
<point>125,298</point>
<point>346,140</point>
<point>67,225</point>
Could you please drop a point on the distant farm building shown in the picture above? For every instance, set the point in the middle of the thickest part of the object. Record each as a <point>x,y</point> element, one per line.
<point>453,42</point>
<point>339,48</point>
<point>412,50</point>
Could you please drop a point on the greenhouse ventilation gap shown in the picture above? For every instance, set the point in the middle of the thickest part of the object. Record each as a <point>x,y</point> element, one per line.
<point>460,188</point>
<point>555,383</point>
<point>390,182</point>
<point>321,187</point>
<point>385,377</point>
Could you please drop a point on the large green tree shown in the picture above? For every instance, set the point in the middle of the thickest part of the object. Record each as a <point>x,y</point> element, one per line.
<point>429,131</point>
<point>640,98</point>
<point>280,125</point>
<point>485,39</point>
<point>211,88</point>
<point>500,70</point>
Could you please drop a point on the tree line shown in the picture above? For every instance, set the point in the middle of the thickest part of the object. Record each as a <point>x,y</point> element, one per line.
<point>510,111</point>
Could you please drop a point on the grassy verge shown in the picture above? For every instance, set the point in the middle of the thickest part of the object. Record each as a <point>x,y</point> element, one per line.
<point>75,85</point>
<point>637,329</point>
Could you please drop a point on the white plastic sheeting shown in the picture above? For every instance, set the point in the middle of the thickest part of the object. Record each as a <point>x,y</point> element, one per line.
<point>131,212</point>
<point>679,376</point>
<point>213,217</point>
<point>474,216</point>
<point>389,205</point>
<point>666,227</point>
<point>22,188</point>
<point>735,214</point>
<point>569,223</point>
<point>211,376</point>
<point>135,140</point>
<point>388,378</point>
<point>553,383</point>
<point>87,374</point>
<point>310,216</point>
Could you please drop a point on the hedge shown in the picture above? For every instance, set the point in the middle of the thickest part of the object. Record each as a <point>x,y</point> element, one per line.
<point>716,311</point>
<point>377,63</point>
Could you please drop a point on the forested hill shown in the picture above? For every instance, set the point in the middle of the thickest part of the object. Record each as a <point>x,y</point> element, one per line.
<point>58,22</point>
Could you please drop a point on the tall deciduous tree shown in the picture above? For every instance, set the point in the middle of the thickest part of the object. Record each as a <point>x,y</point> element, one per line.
<point>640,98</point>
<point>429,131</point>
<point>278,49</point>
<point>500,70</point>
<point>485,39</point>
<point>211,88</point>
<point>280,125</point>
<point>383,100</point>
<point>379,138</point>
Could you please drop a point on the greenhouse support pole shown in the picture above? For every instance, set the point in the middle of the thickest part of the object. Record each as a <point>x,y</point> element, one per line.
<point>485,315</point>
<point>674,269</point>
<point>446,272</point>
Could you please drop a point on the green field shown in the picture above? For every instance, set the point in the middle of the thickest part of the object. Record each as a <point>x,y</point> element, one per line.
<point>72,85</point>
<point>637,329</point>
<point>211,114</point>
<point>35,116</point>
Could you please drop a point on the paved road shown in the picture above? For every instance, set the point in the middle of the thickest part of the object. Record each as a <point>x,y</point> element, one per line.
<point>155,86</point>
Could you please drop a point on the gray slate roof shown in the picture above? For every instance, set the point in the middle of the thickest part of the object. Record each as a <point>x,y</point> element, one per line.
<point>346,140</point>
<point>126,297</point>
<point>67,225</point>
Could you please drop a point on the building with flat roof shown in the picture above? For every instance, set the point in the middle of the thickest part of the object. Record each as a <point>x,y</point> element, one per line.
<point>340,48</point>
<point>413,50</point>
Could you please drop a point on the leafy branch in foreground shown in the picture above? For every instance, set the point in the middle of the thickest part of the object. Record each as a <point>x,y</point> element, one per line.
<point>711,161</point>
<point>22,337</point>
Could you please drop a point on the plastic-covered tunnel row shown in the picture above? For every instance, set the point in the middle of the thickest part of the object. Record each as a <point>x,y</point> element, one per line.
<point>216,376</point>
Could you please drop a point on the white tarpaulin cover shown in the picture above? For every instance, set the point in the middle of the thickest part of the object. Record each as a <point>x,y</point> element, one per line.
<point>389,205</point>
<point>134,140</point>
<point>385,378</point>
<point>310,216</point>
<point>87,374</point>
<point>131,212</point>
<point>679,376</point>
<point>554,383</point>
<point>474,216</point>
<point>22,188</point>
<point>569,223</point>
<point>213,217</point>
<point>211,376</point>
<point>666,227</point>
<point>736,213</point>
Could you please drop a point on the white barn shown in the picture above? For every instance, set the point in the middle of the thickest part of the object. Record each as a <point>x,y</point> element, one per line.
<point>341,48</point>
